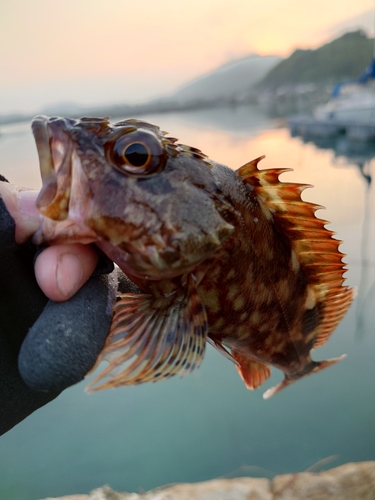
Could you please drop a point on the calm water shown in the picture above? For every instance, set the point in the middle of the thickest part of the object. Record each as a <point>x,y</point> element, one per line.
<point>208,425</point>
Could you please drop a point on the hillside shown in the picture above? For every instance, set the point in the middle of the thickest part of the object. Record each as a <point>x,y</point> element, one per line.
<point>344,58</point>
<point>232,81</point>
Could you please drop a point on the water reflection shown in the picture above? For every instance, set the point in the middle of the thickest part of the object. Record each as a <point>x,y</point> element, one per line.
<point>242,120</point>
<point>347,152</point>
<point>366,288</point>
<point>355,153</point>
<point>208,424</point>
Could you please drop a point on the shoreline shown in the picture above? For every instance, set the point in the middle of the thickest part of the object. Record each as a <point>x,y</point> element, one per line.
<point>351,481</point>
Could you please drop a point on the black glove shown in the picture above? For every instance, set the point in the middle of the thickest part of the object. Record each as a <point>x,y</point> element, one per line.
<point>44,345</point>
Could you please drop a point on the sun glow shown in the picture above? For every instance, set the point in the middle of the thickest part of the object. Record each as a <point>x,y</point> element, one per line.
<point>158,45</point>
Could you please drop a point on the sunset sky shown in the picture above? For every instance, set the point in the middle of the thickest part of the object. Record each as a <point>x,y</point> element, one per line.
<point>101,51</point>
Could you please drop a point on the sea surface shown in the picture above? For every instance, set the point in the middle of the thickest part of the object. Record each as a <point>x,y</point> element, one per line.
<point>209,425</point>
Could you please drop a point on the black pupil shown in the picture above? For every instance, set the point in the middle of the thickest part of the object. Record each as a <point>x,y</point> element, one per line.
<point>136,155</point>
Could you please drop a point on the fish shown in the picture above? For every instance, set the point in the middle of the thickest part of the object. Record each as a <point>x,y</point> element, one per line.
<point>233,258</point>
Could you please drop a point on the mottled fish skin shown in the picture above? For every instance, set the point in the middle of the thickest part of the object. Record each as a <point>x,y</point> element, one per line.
<point>233,257</point>
<point>260,303</point>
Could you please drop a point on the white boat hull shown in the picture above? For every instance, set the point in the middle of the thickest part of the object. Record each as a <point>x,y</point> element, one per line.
<point>356,104</point>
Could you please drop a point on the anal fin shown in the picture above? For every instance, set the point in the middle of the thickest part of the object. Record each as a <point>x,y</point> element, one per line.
<point>152,339</point>
<point>252,372</point>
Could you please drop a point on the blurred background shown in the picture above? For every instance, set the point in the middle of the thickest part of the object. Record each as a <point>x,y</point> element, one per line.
<point>227,77</point>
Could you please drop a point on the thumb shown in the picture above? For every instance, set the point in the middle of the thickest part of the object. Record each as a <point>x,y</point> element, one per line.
<point>20,203</point>
<point>61,270</point>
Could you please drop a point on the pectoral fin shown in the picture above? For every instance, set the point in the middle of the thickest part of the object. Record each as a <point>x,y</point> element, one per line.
<point>153,339</point>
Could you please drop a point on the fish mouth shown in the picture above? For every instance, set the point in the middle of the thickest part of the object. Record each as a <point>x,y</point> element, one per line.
<point>55,150</point>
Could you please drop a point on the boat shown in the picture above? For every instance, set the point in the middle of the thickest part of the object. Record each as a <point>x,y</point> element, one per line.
<point>351,102</point>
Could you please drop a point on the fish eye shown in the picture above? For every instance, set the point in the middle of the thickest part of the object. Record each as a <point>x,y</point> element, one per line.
<point>138,152</point>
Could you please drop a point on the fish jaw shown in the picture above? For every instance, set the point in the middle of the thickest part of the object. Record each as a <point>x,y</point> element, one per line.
<point>149,264</point>
<point>64,198</point>
<point>55,158</point>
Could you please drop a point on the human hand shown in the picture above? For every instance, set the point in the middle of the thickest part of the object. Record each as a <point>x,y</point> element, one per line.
<point>60,270</point>
<point>45,345</point>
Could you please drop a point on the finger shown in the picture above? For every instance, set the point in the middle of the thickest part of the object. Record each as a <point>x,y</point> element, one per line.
<point>61,270</point>
<point>20,203</point>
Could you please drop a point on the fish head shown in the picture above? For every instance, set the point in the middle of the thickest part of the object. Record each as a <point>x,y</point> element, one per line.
<point>150,204</point>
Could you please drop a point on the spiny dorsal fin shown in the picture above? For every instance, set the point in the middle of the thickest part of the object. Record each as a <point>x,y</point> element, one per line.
<point>193,153</point>
<point>314,246</point>
<point>153,339</point>
<point>249,168</point>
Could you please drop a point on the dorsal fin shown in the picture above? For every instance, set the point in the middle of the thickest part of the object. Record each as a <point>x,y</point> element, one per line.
<point>249,168</point>
<point>315,248</point>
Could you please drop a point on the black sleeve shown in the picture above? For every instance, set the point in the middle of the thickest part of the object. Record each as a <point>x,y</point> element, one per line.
<point>44,346</point>
<point>21,302</point>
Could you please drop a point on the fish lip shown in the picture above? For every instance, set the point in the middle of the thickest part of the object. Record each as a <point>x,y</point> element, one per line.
<point>54,148</point>
<point>40,130</point>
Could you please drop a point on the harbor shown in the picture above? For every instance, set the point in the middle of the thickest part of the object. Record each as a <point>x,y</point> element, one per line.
<point>308,126</point>
<point>349,112</point>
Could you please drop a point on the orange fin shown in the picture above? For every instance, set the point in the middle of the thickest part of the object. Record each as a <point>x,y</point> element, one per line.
<point>333,313</point>
<point>153,339</point>
<point>252,372</point>
<point>315,249</point>
<point>317,366</point>
<point>249,168</point>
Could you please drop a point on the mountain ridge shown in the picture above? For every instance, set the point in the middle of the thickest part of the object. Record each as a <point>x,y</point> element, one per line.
<point>252,79</point>
<point>231,81</point>
<point>343,58</point>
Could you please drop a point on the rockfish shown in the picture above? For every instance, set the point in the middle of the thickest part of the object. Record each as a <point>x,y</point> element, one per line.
<point>234,258</point>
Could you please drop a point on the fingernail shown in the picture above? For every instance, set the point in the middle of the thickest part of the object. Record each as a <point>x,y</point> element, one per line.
<point>26,200</point>
<point>68,274</point>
